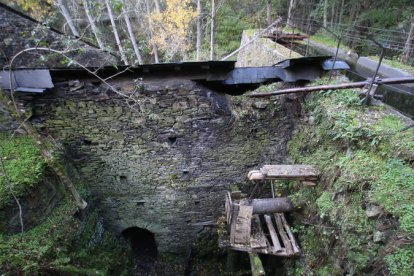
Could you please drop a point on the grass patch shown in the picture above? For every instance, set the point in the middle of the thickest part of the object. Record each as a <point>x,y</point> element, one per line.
<point>65,245</point>
<point>23,165</point>
<point>396,64</point>
<point>327,40</point>
<point>365,159</point>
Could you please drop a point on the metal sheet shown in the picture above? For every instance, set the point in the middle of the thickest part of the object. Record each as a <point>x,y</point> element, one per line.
<point>301,61</point>
<point>29,90</point>
<point>27,79</point>
<point>339,65</point>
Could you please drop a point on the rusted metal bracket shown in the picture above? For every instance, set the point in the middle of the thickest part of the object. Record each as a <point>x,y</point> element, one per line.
<point>371,90</point>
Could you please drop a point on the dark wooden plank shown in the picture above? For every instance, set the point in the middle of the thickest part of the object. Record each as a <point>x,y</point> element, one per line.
<point>273,234</point>
<point>290,234</point>
<point>283,235</point>
<point>235,211</point>
<point>243,225</point>
<point>258,239</point>
<point>227,208</point>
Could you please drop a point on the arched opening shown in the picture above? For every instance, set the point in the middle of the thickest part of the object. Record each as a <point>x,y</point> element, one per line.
<point>142,242</point>
<point>144,250</point>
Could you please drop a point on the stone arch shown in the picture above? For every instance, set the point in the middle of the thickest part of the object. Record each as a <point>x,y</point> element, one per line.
<point>142,241</point>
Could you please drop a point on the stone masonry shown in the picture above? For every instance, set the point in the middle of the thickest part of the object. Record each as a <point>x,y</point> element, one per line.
<point>163,159</point>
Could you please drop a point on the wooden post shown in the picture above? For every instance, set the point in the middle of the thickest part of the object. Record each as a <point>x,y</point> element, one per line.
<point>256,264</point>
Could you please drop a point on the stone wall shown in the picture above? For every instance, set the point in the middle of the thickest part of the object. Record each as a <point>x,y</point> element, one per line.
<point>262,52</point>
<point>19,32</point>
<point>163,159</point>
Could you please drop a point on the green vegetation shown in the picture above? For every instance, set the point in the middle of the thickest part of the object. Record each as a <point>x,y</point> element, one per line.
<point>365,160</point>
<point>63,244</point>
<point>395,63</point>
<point>23,165</point>
<point>325,39</point>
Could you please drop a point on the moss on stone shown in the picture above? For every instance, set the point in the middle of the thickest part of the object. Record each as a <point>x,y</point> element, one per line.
<point>365,159</point>
<point>23,166</point>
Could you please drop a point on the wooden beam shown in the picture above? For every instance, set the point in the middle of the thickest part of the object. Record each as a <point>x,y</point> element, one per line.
<point>271,205</point>
<point>359,84</point>
<point>235,211</point>
<point>243,225</point>
<point>303,172</point>
<point>285,239</point>
<point>256,265</point>
<point>273,234</point>
<point>290,234</point>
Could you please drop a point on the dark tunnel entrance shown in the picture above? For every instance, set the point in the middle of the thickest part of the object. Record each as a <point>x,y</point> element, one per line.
<point>144,249</point>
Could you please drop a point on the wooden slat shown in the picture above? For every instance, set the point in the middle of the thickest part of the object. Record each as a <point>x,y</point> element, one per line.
<point>243,225</point>
<point>258,239</point>
<point>290,234</point>
<point>303,172</point>
<point>235,211</point>
<point>227,208</point>
<point>256,265</point>
<point>282,233</point>
<point>273,234</point>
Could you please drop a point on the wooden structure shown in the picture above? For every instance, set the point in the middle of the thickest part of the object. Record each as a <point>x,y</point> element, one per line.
<point>285,39</point>
<point>259,225</point>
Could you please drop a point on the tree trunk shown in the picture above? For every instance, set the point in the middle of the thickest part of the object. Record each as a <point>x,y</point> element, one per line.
<point>269,12</point>
<point>199,35</point>
<point>291,11</point>
<point>132,36</point>
<point>341,13</point>
<point>157,5</point>
<point>154,46</point>
<point>332,16</point>
<point>409,44</point>
<point>118,41</point>
<point>271,205</point>
<point>212,29</point>
<point>67,17</point>
<point>93,25</point>
<point>325,14</point>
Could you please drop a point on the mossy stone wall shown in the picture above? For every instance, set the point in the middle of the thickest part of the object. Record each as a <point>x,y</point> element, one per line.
<point>164,160</point>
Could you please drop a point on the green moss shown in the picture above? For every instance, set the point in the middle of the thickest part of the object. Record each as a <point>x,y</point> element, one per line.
<point>36,248</point>
<point>325,204</point>
<point>23,165</point>
<point>62,244</point>
<point>364,158</point>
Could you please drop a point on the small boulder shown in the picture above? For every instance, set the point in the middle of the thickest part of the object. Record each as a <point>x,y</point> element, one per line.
<point>373,211</point>
<point>379,237</point>
<point>260,104</point>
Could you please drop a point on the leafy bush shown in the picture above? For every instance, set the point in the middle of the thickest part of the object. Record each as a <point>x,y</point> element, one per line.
<point>400,262</point>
